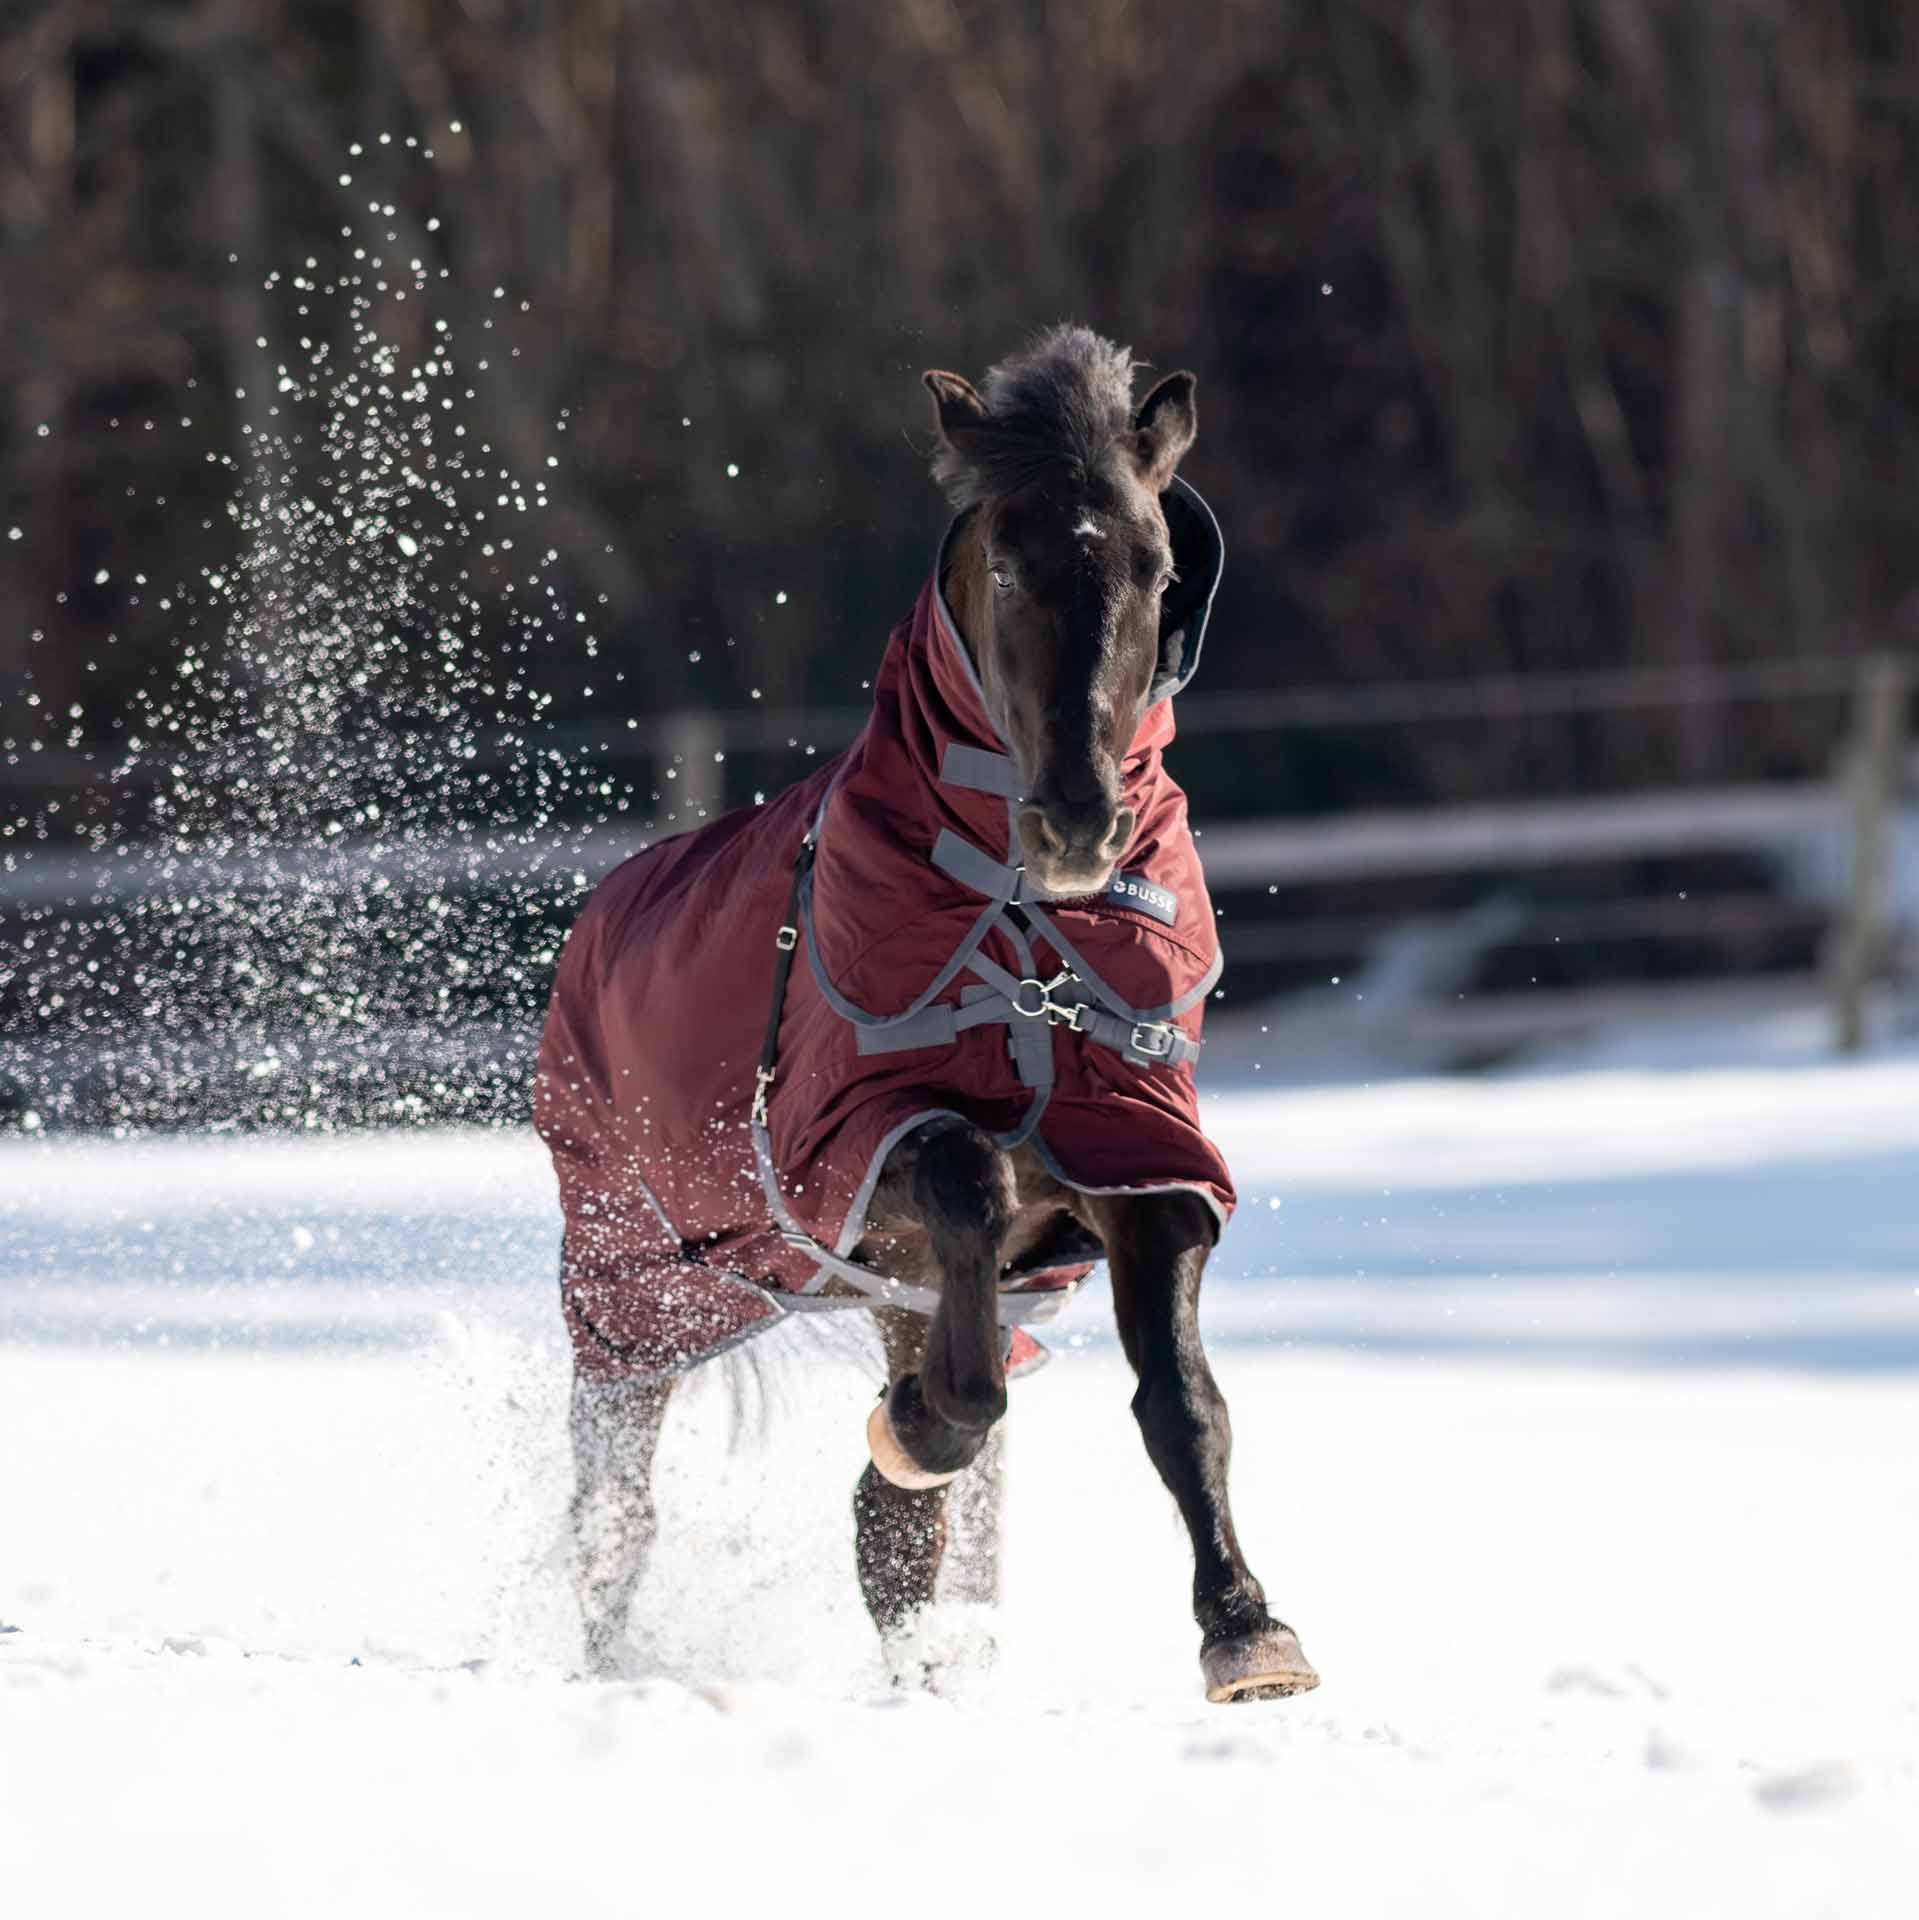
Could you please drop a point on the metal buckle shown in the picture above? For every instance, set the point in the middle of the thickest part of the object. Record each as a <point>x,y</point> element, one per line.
<point>762,1081</point>
<point>1057,1013</point>
<point>1020,1007</point>
<point>1155,1039</point>
<point>787,939</point>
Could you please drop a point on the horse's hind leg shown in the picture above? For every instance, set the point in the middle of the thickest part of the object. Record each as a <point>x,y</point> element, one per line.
<point>970,1571</point>
<point>616,1432</point>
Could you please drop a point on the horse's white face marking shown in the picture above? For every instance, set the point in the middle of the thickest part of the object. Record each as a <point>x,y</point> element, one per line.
<point>1088,528</point>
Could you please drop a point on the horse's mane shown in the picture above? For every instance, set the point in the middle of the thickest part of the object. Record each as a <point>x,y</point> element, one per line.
<point>1063,400</point>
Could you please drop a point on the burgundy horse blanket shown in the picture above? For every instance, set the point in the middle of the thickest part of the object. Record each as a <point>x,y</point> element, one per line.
<point>927,980</point>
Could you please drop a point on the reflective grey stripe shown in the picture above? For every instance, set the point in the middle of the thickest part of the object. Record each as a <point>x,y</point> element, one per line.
<point>962,766</point>
<point>972,868</point>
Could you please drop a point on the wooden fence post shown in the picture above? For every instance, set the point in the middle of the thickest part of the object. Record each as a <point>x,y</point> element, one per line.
<point>692,745</point>
<point>1870,771</point>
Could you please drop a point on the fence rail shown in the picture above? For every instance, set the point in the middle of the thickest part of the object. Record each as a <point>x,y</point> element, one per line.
<point>691,736</point>
<point>1528,833</point>
<point>1242,854</point>
<point>1850,813</point>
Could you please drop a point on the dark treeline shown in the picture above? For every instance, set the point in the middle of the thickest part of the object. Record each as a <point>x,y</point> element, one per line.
<point>1571,333</point>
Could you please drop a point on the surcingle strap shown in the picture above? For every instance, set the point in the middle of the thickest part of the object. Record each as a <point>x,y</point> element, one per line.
<point>935,1026</point>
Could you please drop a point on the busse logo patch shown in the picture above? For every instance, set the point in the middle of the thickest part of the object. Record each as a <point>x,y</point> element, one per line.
<point>1132,890</point>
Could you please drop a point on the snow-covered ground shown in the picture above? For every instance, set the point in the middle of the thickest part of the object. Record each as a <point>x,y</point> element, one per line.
<point>1578,1433</point>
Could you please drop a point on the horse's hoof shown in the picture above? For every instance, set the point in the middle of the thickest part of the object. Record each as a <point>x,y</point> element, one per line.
<point>1266,1665</point>
<point>895,1464</point>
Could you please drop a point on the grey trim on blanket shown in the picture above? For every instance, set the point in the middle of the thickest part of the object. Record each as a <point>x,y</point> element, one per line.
<point>1065,1179</point>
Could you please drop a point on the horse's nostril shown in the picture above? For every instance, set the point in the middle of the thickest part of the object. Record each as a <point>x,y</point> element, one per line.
<point>1117,840</point>
<point>1036,833</point>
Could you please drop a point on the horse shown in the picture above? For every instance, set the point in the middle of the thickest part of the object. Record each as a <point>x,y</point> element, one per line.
<point>937,1126</point>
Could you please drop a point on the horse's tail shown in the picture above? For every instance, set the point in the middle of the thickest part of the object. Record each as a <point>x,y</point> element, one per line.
<point>765,1377</point>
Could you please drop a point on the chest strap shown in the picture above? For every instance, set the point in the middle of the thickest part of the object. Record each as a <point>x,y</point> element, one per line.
<point>1029,1006</point>
<point>1066,1000</point>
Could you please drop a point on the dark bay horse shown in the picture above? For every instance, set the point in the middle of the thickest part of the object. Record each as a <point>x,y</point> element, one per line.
<point>1024,705</point>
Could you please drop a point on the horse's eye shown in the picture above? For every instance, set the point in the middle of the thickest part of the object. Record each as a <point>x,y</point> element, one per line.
<point>1168,579</point>
<point>1002,580</point>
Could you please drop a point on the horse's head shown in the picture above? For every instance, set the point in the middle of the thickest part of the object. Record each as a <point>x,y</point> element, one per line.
<point>1056,575</point>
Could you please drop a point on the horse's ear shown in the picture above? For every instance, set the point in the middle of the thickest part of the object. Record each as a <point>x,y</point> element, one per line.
<point>958,407</point>
<point>1166,424</point>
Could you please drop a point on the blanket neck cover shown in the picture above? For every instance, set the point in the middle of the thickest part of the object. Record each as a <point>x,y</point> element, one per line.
<point>931,982</point>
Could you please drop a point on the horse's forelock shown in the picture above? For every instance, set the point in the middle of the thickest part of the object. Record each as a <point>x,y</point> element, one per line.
<point>1065,400</point>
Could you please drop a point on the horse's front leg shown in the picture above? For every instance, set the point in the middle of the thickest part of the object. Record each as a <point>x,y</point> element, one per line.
<point>958,1187</point>
<point>1156,1250</point>
<point>947,1195</point>
<point>904,1537</point>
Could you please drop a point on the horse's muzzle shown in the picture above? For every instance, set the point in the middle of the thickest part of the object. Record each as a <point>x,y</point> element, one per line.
<point>1072,847</point>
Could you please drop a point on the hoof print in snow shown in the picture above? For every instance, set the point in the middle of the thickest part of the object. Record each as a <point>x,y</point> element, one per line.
<point>949,1649</point>
<point>1802,1789</point>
